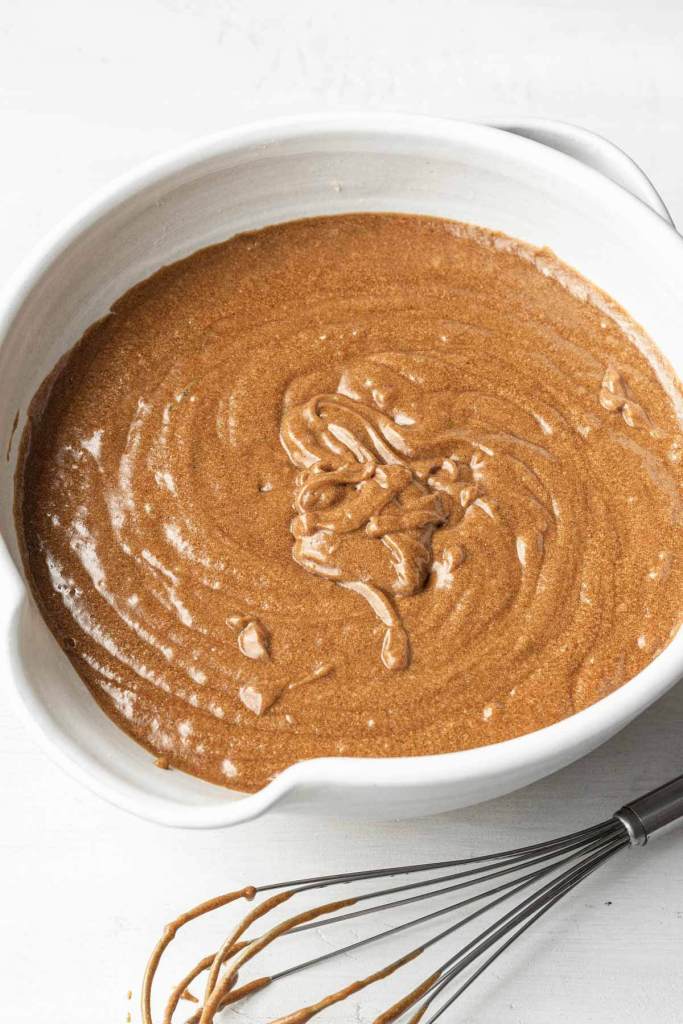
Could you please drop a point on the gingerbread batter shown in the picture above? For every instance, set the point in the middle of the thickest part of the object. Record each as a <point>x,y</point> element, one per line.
<point>364,485</point>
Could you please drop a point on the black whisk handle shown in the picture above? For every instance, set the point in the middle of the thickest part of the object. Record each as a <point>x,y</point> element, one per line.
<point>653,811</point>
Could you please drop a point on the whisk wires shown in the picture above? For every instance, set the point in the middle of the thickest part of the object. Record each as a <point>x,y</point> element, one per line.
<point>542,873</point>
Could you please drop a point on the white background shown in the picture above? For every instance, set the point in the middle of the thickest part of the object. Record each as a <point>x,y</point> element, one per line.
<point>88,89</point>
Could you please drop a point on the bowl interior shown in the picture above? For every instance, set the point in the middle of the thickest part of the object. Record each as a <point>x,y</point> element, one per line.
<point>261,177</point>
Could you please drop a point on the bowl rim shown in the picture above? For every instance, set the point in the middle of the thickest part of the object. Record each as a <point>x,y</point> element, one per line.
<point>388,773</point>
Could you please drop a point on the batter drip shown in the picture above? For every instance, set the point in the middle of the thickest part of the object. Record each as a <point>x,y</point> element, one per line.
<point>362,485</point>
<point>356,487</point>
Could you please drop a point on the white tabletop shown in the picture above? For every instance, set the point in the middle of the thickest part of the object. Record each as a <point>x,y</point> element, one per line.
<point>87,89</point>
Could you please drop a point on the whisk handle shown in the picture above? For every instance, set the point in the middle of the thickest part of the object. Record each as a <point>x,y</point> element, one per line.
<point>652,811</point>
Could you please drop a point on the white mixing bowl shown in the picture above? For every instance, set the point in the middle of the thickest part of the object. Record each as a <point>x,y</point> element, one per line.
<point>278,171</point>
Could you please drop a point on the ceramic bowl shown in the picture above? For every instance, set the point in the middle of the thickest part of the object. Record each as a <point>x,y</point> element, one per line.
<point>518,178</point>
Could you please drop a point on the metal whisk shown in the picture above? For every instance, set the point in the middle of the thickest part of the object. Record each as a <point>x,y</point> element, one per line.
<point>542,874</point>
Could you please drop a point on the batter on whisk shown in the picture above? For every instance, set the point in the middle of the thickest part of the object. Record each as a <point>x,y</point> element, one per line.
<point>364,485</point>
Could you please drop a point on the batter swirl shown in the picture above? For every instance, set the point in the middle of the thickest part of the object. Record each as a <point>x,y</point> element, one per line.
<point>363,485</point>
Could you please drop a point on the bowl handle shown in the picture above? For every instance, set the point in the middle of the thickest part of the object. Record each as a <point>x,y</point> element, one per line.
<point>593,150</point>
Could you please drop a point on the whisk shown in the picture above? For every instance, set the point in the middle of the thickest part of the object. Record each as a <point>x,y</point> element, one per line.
<point>540,874</point>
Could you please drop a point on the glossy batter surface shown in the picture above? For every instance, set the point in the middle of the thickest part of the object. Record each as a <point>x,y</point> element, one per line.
<point>361,485</point>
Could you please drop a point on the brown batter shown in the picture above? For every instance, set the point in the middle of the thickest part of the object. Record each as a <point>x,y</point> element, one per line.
<point>224,966</point>
<point>361,485</point>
